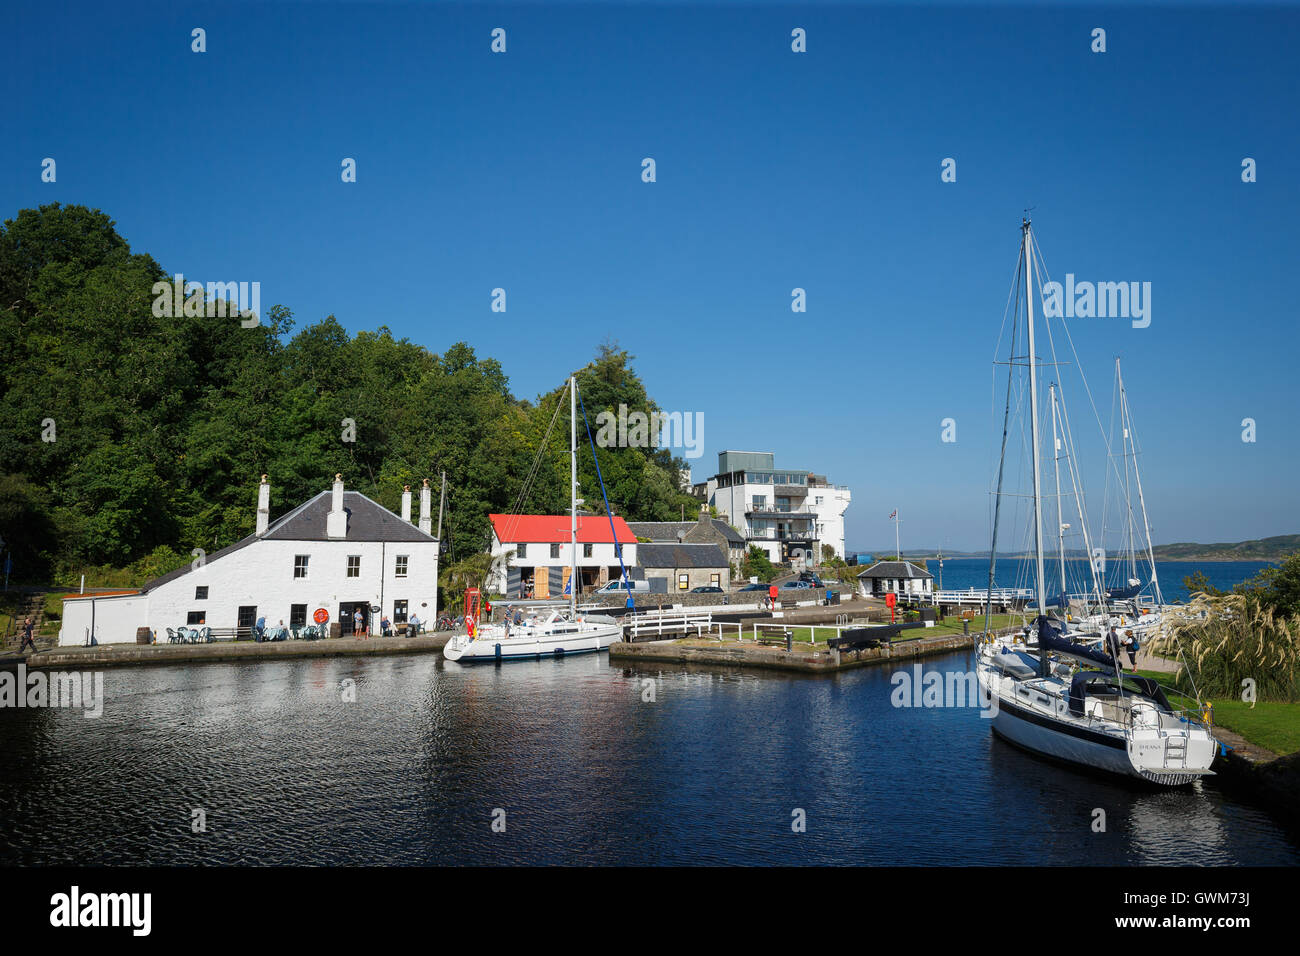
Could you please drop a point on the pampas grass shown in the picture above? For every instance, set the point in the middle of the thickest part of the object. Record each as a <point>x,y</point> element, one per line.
<point>1229,639</point>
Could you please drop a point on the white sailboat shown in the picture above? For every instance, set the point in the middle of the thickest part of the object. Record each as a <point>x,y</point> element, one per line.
<point>1065,699</point>
<point>562,631</point>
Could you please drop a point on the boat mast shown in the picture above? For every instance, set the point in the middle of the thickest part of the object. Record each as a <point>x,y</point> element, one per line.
<point>1060,524</point>
<point>573,496</point>
<point>1137,478</point>
<point>1039,582</point>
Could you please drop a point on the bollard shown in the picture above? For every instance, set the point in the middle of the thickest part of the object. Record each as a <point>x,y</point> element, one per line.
<point>789,642</point>
<point>965,626</point>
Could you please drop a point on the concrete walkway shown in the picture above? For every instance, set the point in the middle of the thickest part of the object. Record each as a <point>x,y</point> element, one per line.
<point>109,655</point>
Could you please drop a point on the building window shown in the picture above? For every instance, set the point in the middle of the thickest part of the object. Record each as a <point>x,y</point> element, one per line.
<point>586,550</point>
<point>683,582</point>
<point>715,580</point>
<point>201,593</point>
<point>297,615</point>
<point>300,565</point>
<point>521,551</point>
<point>354,565</point>
<point>555,550</point>
<point>399,612</point>
<point>194,617</point>
<point>400,570</point>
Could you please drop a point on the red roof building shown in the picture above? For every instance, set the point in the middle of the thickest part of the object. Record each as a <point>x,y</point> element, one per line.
<point>554,529</point>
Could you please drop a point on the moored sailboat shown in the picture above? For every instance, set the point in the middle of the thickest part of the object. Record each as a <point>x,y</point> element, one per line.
<point>1065,699</point>
<point>562,631</point>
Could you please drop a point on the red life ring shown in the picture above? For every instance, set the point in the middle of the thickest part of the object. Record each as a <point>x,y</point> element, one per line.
<point>470,627</point>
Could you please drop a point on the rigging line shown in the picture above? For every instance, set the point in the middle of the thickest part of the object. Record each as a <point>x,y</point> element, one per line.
<point>526,488</point>
<point>618,548</point>
<point>997,499</point>
<point>1070,339</point>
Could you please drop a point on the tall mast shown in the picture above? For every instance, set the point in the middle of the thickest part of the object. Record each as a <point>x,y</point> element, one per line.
<point>1137,478</point>
<point>1060,524</point>
<point>1040,585</point>
<point>573,496</point>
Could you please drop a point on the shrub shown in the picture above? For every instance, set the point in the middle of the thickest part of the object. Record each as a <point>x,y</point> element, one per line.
<point>1227,640</point>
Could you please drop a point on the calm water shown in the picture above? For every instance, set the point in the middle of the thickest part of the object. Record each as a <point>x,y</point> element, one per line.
<point>586,771</point>
<point>960,573</point>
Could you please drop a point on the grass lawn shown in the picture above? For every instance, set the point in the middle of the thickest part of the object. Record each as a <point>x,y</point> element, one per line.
<point>945,628</point>
<point>1271,724</point>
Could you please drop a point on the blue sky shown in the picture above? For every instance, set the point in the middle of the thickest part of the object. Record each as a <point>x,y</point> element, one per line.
<point>775,170</point>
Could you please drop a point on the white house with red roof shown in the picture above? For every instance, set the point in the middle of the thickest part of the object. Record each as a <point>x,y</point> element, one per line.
<point>532,555</point>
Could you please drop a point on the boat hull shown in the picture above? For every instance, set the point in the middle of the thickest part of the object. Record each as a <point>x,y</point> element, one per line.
<point>1134,756</point>
<point>490,648</point>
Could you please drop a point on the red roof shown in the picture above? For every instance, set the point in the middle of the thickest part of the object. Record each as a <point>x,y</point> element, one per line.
<point>554,529</point>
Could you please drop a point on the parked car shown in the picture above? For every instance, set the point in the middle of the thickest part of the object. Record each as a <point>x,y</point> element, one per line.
<point>636,587</point>
<point>707,589</point>
<point>755,587</point>
<point>811,577</point>
<point>798,585</point>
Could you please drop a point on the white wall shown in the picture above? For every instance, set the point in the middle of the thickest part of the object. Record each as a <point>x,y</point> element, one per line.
<point>117,616</point>
<point>538,555</point>
<point>261,575</point>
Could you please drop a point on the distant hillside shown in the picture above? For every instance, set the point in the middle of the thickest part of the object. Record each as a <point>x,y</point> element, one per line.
<point>1262,549</point>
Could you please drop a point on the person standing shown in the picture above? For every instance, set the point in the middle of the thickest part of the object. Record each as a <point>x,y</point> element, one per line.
<point>27,636</point>
<point>1113,647</point>
<point>358,622</point>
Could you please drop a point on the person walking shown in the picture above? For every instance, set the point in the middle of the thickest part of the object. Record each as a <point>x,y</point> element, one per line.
<point>27,636</point>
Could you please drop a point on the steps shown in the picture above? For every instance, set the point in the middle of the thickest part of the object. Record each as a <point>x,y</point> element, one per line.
<point>33,606</point>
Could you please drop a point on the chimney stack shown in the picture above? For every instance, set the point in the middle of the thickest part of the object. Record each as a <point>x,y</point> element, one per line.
<point>406,503</point>
<point>705,519</point>
<point>426,523</point>
<point>336,522</point>
<point>263,506</point>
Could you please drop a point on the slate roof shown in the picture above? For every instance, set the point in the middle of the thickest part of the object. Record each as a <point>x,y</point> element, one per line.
<point>898,570</point>
<point>667,530</point>
<point>680,556</point>
<point>367,521</point>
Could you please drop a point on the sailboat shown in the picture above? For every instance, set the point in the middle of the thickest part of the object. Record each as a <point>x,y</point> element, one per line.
<point>1062,698</point>
<point>1133,604</point>
<point>563,631</point>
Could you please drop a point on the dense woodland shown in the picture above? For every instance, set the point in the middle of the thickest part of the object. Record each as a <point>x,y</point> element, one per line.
<point>127,439</point>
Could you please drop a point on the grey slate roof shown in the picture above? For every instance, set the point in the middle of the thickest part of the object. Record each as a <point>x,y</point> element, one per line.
<point>898,570</point>
<point>367,521</point>
<point>667,530</point>
<point>680,556</point>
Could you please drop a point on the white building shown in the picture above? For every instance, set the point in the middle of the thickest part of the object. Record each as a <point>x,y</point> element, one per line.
<point>790,514</point>
<point>532,554</point>
<point>339,551</point>
<point>898,577</point>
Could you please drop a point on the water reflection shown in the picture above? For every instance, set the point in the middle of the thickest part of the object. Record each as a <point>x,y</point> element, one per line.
<point>586,768</point>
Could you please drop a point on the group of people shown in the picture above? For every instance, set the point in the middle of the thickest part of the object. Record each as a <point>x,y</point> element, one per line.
<point>1128,643</point>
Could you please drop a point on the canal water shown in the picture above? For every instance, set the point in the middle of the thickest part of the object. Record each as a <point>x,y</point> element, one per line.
<point>716,769</point>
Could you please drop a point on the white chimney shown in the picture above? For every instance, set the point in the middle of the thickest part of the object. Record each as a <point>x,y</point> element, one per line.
<point>406,503</point>
<point>426,524</point>
<point>263,506</point>
<point>336,522</point>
